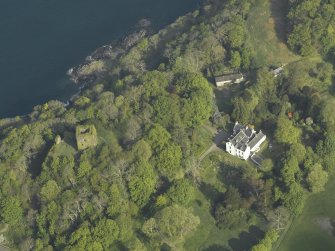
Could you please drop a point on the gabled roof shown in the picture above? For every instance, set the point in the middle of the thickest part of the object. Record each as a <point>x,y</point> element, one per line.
<point>258,137</point>
<point>240,140</point>
<point>237,127</point>
<point>228,77</point>
<point>244,136</point>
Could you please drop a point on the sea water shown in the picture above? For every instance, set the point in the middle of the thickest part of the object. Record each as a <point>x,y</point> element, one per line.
<point>41,39</point>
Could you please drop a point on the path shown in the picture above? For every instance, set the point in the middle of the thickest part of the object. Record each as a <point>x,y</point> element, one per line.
<point>4,248</point>
<point>212,148</point>
<point>218,138</point>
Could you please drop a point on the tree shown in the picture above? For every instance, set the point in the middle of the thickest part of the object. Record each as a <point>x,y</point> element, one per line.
<point>233,198</point>
<point>235,35</point>
<point>235,60</point>
<point>84,168</point>
<point>171,225</point>
<point>142,150</point>
<point>290,170</point>
<point>197,109</point>
<point>196,96</point>
<point>295,198</point>
<point>317,178</point>
<point>142,183</point>
<point>266,243</point>
<point>11,210</point>
<point>241,112</point>
<point>168,161</point>
<point>158,137</point>
<point>181,192</point>
<point>246,56</point>
<point>136,244</point>
<point>300,40</point>
<point>81,238</point>
<point>232,218</point>
<point>244,106</point>
<point>105,232</point>
<point>298,151</point>
<point>286,132</point>
<point>326,150</point>
<point>267,165</point>
<point>50,190</point>
<point>118,204</point>
<point>47,220</point>
<point>166,108</point>
<point>278,218</point>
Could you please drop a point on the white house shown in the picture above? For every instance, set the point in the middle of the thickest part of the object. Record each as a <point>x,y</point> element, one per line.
<point>235,78</point>
<point>278,71</point>
<point>244,141</point>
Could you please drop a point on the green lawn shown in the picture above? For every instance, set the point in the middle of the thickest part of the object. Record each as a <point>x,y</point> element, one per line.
<point>305,234</point>
<point>208,236</point>
<point>203,139</point>
<point>266,24</point>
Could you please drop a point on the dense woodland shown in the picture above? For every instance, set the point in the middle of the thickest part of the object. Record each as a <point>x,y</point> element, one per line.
<point>311,27</point>
<point>138,187</point>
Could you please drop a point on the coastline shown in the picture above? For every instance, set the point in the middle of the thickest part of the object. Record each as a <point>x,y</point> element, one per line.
<point>112,51</point>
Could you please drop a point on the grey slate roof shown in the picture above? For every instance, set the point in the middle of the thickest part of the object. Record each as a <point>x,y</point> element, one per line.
<point>241,139</point>
<point>243,136</point>
<point>256,139</point>
<point>237,128</point>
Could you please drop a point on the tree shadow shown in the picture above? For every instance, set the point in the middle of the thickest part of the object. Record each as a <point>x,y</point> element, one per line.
<point>332,86</point>
<point>278,13</point>
<point>35,165</point>
<point>216,247</point>
<point>212,193</point>
<point>230,176</point>
<point>246,239</point>
<point>70,139</point>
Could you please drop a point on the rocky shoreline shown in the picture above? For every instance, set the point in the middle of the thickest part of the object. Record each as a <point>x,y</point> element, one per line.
<point>91,69</point>
<point>112,51</point>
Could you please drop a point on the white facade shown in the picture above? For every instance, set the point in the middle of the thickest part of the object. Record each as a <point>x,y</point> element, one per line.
<point>222,83</point>
<point>239,80</point>
<point>244,141</point>
<point>256,148</point>
<point>230,148</point>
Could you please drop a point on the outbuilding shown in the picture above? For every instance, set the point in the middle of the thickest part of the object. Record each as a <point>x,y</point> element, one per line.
<point>234,78</point>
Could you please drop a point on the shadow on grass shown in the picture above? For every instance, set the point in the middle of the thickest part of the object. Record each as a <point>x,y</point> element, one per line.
<point>230,176</point>
<point>278,12</point>
<point>70,139</point>
<point>211,192</point>
<point>35,166</point>
<point>246,240</point>
<point>216,247</point>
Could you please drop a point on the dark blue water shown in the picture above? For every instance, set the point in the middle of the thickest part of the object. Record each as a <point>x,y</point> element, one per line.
<point>41,39</point>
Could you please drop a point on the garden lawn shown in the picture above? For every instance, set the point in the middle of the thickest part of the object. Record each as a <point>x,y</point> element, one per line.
<point>266,26</point>
<point>305,233</point>
<point>208,236</point>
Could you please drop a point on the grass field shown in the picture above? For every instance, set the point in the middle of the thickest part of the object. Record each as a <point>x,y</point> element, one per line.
<point>310,231</point>
<point>266,26</point>
<point>208,236</point>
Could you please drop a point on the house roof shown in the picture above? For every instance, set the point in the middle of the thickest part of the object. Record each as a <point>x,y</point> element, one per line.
<point>249,132</point>
<point>244,136</point>
<point>228,77</point>
<point>237,127</point>
<point>240,140</point>
<point>278,70</point>
<point>258,137</point>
